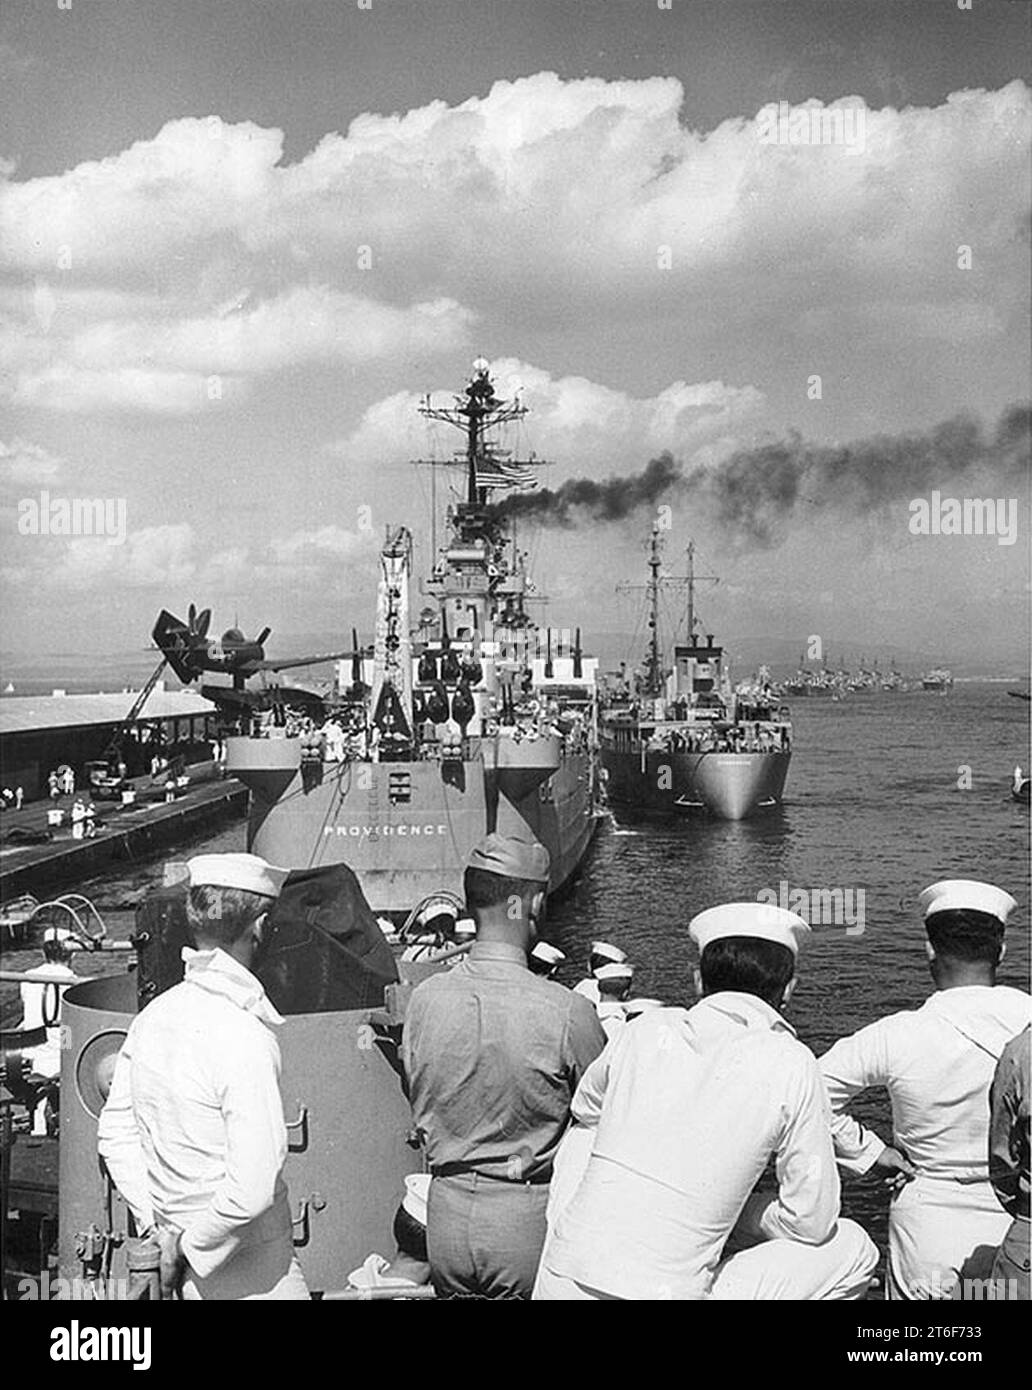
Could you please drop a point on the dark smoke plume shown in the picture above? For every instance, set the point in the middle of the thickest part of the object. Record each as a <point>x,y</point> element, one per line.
<point>755,490</point>
<point>584,499</point>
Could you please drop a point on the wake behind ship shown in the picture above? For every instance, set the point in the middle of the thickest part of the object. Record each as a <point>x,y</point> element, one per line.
<point>473,725</point>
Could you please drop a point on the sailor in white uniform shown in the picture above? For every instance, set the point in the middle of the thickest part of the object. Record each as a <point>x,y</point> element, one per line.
<point>688,1106</point>
<point>545,959</point>
<point>937,1063</point>
<point>41,1000</point>
<point>600,955</point>
<point>193,1132</point>
<point>410,1266</point>
<point>614,985</point>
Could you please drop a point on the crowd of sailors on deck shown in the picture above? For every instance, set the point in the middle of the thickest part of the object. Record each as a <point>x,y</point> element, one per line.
<point>348,737</point>
<point>599,1146</point>
<point>735,738</point>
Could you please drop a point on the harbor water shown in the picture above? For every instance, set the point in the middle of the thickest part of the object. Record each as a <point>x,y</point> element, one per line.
<point>886,794</point>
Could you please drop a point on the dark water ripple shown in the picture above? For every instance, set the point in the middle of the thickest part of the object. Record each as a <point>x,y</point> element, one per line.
<point>873,803</point>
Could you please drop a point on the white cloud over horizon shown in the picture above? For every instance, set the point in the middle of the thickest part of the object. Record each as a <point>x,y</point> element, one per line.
<point>703,269</point>
<point>584,424</point>
<point>393,236</point>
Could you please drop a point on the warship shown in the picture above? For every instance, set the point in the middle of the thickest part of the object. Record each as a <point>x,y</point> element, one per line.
<point>476,720</point>
<point>681,740</point>
<point>939,680</point>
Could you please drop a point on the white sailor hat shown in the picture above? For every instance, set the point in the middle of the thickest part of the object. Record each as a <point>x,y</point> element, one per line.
<point>604,954</point>
<point>763,921</point>
<point>966,894</point>
<point>548,954</point>
<point>436,907</point>
<point>618,970</point>
<point>465,927</point>
<point>417,1193</point>
<point>244,871</point>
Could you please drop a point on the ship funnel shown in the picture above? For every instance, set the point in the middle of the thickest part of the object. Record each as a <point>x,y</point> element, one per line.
<point>549,668</point>
<point>709,639</point>
<point>578,667</point>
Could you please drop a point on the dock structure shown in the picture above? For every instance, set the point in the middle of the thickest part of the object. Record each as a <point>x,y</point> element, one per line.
<point>122,833</point>
<point>39,733</point>
<point>164,747</point>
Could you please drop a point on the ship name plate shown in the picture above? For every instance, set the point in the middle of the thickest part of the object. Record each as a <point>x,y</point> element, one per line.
<point>374,832</point>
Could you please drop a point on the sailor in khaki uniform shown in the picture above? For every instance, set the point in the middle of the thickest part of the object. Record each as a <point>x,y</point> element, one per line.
<point>493,1054</point>
<point>193,1132</point>
<point>937,1063</point>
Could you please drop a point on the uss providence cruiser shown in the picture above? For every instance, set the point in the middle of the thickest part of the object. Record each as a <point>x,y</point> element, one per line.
<point>683,740</point>
<point>477,725</point>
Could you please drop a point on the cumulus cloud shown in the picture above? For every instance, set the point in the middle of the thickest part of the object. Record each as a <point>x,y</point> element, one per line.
<point>173,557</point>
<point>179,364</point>
<point>66,387</point>
<point>152,556</point>
<point>637,204</point>
<point>320,546</point>
<point>581,423</point>
<point>588,194</point>
<point>21,461</point>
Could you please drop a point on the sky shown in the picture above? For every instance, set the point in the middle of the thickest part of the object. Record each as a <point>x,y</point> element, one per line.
<point>239,242</point>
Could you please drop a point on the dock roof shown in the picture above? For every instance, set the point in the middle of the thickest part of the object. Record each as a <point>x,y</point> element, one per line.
<point>22,714</point>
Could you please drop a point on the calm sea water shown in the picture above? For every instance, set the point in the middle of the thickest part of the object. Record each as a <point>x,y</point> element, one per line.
<point>872,803</point>
<point>877,800</point>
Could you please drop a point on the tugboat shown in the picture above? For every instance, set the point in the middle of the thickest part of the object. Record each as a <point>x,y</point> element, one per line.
<point>477,721</point>
<point>682,739</point>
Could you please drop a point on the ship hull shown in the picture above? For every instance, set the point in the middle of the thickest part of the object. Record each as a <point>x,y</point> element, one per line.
<point>407,829</point>
<point>731,786</point>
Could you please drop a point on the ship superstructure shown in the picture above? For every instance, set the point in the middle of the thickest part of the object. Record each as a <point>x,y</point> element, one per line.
<point>476,720</point>
<point>680,738</point>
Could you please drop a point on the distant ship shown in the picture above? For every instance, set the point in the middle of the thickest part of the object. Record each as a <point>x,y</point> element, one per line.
<point>475,721</point>
<point>938,679</point>
<point>682,739</point>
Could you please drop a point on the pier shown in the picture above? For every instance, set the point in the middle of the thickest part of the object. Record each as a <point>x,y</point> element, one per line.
<point>122,833</point>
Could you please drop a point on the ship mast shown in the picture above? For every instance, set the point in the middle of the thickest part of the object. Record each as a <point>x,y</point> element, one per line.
<point>691,591</point>
<point>653,677</point>
<point>475,413</point>
<point>653,665</point>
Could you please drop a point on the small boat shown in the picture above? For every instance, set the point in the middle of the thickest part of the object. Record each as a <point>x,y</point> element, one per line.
<point>1020,694</point>
<point>1021,787</point>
